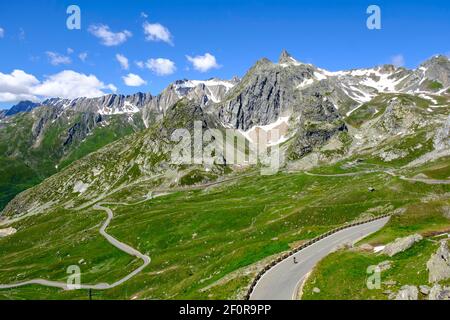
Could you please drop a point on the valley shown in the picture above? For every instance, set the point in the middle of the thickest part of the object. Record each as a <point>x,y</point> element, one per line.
<point>198,247</point>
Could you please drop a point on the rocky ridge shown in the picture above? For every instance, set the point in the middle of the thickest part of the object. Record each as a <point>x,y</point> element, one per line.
<point>323,119</point>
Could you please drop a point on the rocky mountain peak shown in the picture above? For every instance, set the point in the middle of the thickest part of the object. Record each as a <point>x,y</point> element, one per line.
<point>437,70</point>
<point>388,68</point>
<point>235,79</point>
<point>23,106</point>
<point>285,57</point>
<point>263,62</point>
<point>437,59</point>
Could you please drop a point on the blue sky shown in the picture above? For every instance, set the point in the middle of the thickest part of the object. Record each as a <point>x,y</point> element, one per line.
<point>35,41</point>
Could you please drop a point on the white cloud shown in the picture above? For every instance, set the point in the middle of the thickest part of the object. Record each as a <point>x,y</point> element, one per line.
<point>14,98</point>
<point>133,80</point>
<point>107,37</point>
<point>123,61</point>
<point>70,84</point>
<point>83,56</point>
<point>144,15</point>
<point>140,64</point>
<point>160,66</point>
<point>111,87</point>
<point>2,32</point>
<point>56,59</point>
<point>398,60</point>
<point>157,32</point>
<point>16,80</point>
<point>204,63</point>
<point>69,51</point>
<point>19,85</point>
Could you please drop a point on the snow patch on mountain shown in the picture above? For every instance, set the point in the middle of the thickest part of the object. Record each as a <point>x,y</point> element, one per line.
<point>268,132</point>
<point>214,89</point>
<point>291,61</point>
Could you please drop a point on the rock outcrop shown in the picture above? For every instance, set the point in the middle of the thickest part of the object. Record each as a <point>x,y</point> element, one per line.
<point>425,290</point>
<point>7,232</point>
<point>408,293</point>
<point>439,264</point>
<point>439,293</point>
<point>442,139</point>
<point>401,244</point>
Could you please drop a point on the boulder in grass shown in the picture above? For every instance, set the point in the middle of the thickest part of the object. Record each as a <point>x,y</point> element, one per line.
<point>439,293</point>
<point>439,264</point>
<point>408,293</point>
<point>425,290</point>
<point>401,244</point>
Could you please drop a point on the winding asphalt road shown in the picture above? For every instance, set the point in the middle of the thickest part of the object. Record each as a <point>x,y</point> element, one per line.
<point>422,180</point>
<point>116,243</point>
<point>101,286</point>
<point>279,283</point>
<point>283,280</point>
<point>391,173</point>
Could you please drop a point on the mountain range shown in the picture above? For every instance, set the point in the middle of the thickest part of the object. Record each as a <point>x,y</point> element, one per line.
<point>354,144</point>
<point>347,111</point>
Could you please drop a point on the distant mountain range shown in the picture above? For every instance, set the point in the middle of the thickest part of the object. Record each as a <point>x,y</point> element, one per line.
<point>357,86</point>
<point>23,106</point>
<point>325,115</point>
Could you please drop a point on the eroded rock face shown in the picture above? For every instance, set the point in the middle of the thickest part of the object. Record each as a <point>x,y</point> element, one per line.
<point>82,128</point>
<point>401,244</point>
<point>439,264</point>
<point>7,232</point>
<point>439,293</point>
<point>408,293</point>
<point>437,69</point>
<point>399,117</point>
<point>442,139</point>
<point>266,93</point>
